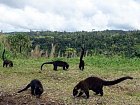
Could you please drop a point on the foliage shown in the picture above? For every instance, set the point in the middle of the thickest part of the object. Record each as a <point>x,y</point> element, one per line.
<point>108,42</point>
<point>70,52</point>
<point>19,43</point>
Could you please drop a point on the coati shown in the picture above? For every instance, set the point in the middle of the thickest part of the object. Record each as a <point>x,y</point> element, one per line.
<point>36,88</point>
<point>95,84</point>
<point>6,62</point>
<point>63,64</point>
<point>82,63</point>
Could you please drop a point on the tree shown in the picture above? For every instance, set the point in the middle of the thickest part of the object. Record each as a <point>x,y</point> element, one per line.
<point>19,43</point>
<point>70,52</point>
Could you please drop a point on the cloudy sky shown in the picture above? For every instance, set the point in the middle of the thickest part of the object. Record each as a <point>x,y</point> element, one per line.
<point>69,15</point>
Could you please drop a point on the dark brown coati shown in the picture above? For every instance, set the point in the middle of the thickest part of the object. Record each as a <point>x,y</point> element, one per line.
<point>36,88</point>
<point>63,64</point>
<point>5,61</point>
<point>95,84</point>
<point>82,63</point>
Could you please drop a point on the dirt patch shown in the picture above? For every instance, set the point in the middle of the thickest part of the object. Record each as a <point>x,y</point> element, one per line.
<point>18,99</point>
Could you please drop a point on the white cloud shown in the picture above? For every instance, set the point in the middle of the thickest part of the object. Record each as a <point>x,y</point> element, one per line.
<point>69,15</point>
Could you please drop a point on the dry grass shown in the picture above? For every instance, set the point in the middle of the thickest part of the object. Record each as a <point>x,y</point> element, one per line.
<point>58,85</point>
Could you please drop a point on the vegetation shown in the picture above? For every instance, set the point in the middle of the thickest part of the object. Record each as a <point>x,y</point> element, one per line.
<point>109,54</point>
<point>58,85</point>
<point>108,42</point>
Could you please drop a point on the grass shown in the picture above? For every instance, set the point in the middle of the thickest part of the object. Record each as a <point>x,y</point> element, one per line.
<point>58,85</point>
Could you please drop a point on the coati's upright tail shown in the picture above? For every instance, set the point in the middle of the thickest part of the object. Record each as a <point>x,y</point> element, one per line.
<point>46,63</point>
<point>24,88</point>
<point>82,54</point>
<point>107,83</point>
<point>3,55</point>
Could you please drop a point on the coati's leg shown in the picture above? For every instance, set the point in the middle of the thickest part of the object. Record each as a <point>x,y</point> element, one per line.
<point>55,67</point>
<point>87,93</point>
<point>6,64</point>
<point>81,92</point>
<point>83,68</point>
<point>64,68</point>
<point>98,91</point>
<point>79,67</point>
<point>101,92</point>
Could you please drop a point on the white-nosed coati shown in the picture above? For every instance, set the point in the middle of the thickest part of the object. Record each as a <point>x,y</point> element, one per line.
<point>82,63</point>
<point>36,88</point>
<point>6,62</point>
<point>63,64</point>
<point>95,84</point>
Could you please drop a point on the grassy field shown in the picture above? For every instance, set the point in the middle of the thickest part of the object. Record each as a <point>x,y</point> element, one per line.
<point>58,85</point>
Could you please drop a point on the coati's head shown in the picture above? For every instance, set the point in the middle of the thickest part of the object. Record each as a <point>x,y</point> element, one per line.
<point>11,64</point>
<point>67,66</point>
<point>38,91</point>
<point>76,89</point>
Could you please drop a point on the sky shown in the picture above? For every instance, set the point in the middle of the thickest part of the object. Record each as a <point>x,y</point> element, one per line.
<point>69,15</point>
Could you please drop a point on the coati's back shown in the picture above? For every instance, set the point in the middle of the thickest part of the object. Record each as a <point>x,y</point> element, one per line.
<point>93,81</point>
<point>57,63</point>
<point>38,88</point>
<point>35,82</point>
<point>96,81</point>
<point>60,63</point>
